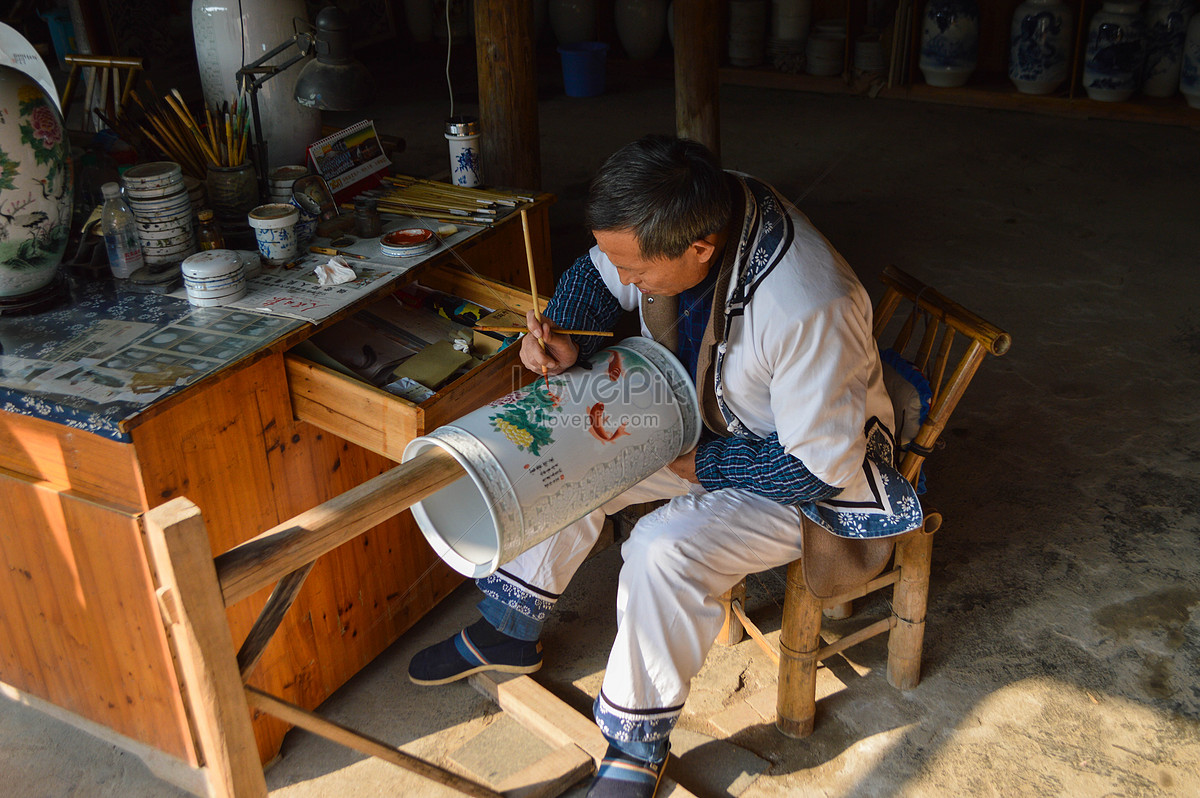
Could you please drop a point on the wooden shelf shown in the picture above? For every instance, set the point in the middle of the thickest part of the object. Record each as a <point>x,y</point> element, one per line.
<point>985,94</point>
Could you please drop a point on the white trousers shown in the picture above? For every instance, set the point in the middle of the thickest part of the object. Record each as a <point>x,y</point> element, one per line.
<point>677,560</point>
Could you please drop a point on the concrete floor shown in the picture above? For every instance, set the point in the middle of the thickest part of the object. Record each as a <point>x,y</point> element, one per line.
<point>1063,645</point>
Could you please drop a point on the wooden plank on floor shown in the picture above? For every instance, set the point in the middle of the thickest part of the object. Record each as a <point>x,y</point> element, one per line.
<point>551,718</point>
<point>551,775</point>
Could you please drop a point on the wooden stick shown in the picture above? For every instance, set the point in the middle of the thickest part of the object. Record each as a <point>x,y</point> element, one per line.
<point>363,743</point>
<point>229,141</point>
<point>103,95</point>
<point>267,623</point>
<point>537,313</point>
<point>212,134</point>
<point>267,558</point>
<point>190,124</point>
<point>66,95</point>
<point>484,328</point>
<point>241,159</point>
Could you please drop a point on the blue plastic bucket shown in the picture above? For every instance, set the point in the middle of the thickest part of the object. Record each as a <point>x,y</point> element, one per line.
<point>583,68</point>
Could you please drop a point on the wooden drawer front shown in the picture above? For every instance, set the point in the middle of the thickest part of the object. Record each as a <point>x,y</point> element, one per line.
<point>385,423</point>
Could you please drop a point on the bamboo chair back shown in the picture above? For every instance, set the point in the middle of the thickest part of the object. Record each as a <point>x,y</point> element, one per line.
<point>945,341</point>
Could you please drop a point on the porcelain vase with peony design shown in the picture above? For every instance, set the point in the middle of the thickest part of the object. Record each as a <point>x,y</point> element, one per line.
<point>543,457</point>
<point>36,185</point>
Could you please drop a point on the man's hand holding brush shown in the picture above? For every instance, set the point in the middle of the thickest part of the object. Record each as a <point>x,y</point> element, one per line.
<point>557,355</point>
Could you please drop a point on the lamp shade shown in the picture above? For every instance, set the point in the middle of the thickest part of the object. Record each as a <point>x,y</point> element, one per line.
<point>333,80</point>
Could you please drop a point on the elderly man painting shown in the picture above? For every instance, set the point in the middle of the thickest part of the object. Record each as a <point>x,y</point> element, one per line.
<point>776,331</point>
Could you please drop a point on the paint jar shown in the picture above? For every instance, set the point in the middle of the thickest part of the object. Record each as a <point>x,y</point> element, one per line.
<point>367,223</point>
<point>463,134</point>
<point>544,456</point>
<point>232,193</point>
<point>214,277</point>
<point>275,232</point>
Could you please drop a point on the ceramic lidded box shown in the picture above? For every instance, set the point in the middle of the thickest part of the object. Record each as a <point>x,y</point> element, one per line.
<point>36,185</point>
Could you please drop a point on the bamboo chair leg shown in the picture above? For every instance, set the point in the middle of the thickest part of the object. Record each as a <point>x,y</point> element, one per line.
<point>731,630</point>
<point>839,612</point>
<point>799,642</point>
<point>905,641</point>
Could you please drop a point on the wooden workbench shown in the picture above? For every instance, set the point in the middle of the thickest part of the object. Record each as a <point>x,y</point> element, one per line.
<point>80,629</point>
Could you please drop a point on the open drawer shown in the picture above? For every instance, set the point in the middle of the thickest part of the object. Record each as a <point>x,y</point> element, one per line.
<point>385,423</point>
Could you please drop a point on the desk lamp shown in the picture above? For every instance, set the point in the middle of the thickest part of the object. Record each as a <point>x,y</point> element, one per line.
<point>332,81</point>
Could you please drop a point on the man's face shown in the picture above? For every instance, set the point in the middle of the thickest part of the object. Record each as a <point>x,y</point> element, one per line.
<point>660,276</point>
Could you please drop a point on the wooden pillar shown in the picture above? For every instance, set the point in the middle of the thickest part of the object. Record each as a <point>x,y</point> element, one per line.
<point>697,57</point>
<point>508,112</point>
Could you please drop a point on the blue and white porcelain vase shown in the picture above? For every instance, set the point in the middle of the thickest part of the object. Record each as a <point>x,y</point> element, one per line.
<point>1115,48</point>
<point>36,186</point>
<point>1189,72</point>
<point>1166,29</point>
<point>949,41</point>
<point>1040,46</point>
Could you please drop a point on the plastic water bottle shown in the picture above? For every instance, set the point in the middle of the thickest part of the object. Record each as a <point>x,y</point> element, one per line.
<point>120,233</point>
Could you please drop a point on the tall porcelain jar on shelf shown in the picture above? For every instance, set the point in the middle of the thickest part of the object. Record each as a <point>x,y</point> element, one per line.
<point>232,33</point>
<point>640,26</point>
<point>1166,29</point>
<point>1116,37</point>
<point>573,21</point>
<point>949,42</point>
<point>1040,46</point>
<point>1189,73</point>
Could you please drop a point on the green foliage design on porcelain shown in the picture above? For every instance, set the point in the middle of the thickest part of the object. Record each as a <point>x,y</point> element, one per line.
<point>525,418</point>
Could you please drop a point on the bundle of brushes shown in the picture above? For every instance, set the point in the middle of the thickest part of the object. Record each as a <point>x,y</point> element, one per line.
<point>219,137</point>
<point>412,196</point>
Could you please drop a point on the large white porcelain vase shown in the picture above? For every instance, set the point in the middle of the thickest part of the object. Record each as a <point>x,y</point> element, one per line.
<point>36,185</point>
<point>232,33</point>
<point>540,458</point>
<point>640,26</point>
<point>573,21</point>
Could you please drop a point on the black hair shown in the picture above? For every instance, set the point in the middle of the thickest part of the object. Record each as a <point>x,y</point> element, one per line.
<point>669,192</point>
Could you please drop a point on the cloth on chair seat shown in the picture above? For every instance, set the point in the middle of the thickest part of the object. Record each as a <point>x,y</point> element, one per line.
<point>834,565</point>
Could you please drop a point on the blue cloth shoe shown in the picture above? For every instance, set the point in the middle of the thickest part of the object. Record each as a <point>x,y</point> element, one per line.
<point>623,776</point>
<point>477,648</point>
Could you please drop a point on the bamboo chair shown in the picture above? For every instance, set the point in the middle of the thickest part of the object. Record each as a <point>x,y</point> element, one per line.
<point>953,344</point>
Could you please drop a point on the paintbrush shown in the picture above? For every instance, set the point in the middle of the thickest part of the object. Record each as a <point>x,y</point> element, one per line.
<point>556,331</point>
